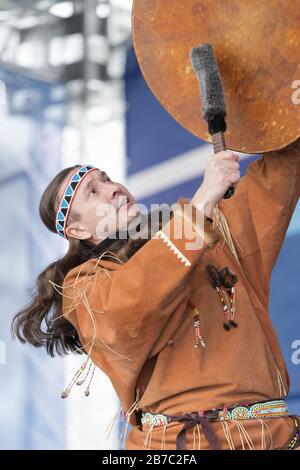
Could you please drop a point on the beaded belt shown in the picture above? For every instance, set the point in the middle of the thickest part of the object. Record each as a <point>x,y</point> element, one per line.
<point>269,409</point>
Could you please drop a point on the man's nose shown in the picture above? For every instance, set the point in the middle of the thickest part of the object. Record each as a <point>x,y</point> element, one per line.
<point>112,191</point>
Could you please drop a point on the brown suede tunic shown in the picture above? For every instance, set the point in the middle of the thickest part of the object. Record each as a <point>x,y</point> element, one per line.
<point>137,322</point>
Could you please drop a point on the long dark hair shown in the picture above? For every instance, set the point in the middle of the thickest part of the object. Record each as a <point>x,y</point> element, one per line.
<point>35,324</point>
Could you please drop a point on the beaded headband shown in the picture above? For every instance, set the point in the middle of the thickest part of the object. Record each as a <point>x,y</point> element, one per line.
<point>68,196</point>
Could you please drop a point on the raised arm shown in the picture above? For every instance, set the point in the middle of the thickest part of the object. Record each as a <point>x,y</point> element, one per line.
<point>260,211</point>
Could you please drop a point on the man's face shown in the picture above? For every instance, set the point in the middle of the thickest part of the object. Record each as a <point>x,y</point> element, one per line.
<point>100,207</point>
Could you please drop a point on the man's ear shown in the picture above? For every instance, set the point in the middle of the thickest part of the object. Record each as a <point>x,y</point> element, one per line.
<point>75,230</point>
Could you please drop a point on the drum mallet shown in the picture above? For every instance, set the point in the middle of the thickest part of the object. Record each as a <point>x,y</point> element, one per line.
<point>205,65</point>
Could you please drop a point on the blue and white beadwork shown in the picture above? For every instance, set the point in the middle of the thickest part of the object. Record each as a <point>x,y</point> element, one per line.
<point>154,420</point>
<point>270,409</point>
<point>67,198</point>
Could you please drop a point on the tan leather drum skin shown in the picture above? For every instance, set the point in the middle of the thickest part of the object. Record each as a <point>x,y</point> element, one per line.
<point>257,45</point>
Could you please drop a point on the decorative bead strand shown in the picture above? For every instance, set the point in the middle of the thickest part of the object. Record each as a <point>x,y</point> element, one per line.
<point>224,304</point>
<point>75,378</point>
<point>296,439</point>
<point>232,304</point>
<point>228,313</point>
<point>80,382</point>
<point>199,338</point>
<point>87,390</point>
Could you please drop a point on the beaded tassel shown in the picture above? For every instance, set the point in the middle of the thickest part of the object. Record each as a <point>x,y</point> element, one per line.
<point>80,382</point>
<point>77,375</point>
<point>227,279</point>
<point>199,339</point>
<point>87,390</point>
<point>229,313</point>
<point>296,439</point>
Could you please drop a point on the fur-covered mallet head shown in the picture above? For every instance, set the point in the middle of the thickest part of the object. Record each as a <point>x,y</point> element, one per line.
<point>205,65</point>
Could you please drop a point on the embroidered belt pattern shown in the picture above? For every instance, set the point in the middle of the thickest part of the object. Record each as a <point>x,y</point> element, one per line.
<point>270,409</point>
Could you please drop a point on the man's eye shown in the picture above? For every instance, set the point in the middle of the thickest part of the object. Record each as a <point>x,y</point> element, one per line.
<point>107,179</point>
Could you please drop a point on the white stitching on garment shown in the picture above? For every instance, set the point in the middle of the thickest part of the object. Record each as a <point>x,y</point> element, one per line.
<point>173,248</point>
